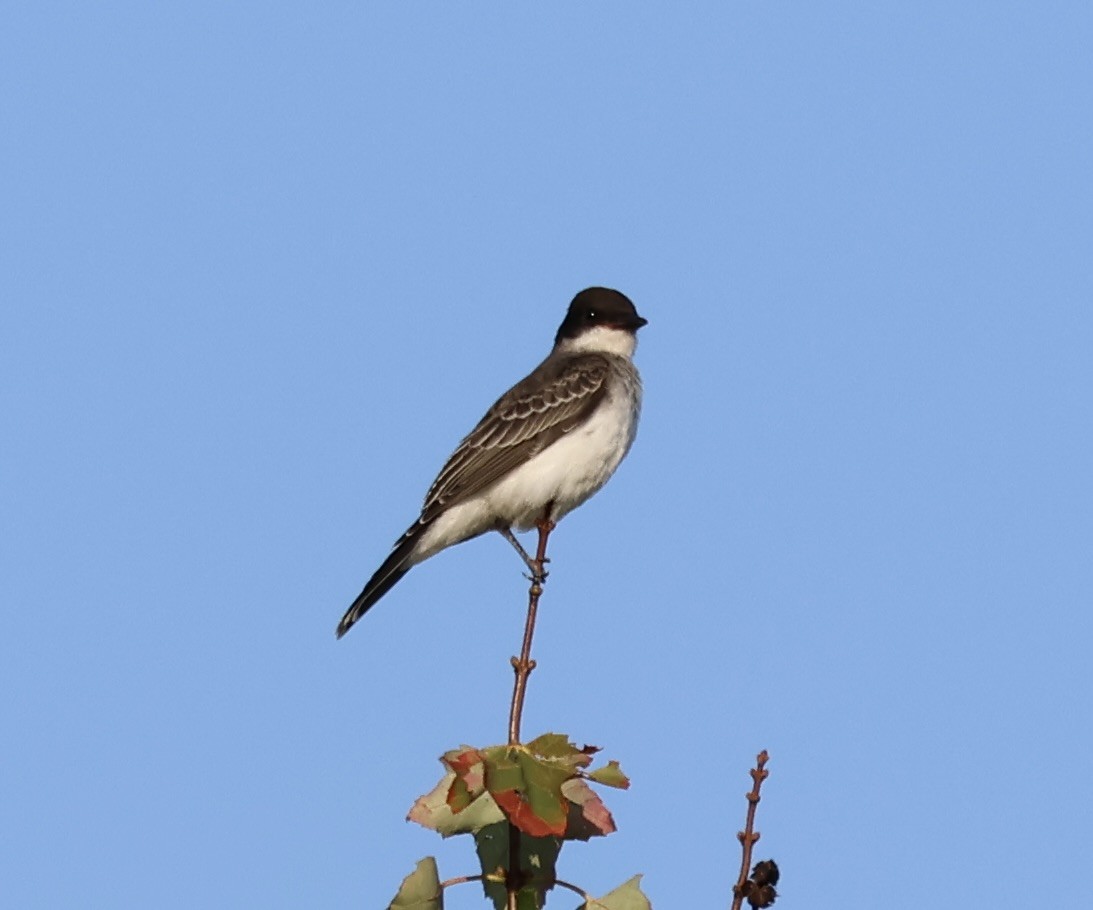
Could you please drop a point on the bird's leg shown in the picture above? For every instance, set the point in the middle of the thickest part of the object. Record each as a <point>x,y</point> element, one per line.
<point>523,665</point>
<point>528,559</point>
<point>545,526</point>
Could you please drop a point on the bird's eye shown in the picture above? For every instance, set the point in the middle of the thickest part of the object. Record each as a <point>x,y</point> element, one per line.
<point>592,314</point>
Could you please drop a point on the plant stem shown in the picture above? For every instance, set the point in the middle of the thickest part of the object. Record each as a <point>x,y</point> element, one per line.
<point>749,835</point>
<point>523,665</point>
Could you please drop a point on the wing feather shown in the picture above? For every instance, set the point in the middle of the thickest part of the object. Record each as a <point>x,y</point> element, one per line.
<point>536,412</point>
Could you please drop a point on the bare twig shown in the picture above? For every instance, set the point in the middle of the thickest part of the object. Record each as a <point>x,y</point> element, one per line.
<point>522,667</point>
<point>515,878</point>
<point>462,880</point>
<point>749,835</point>
<point>574,889</point>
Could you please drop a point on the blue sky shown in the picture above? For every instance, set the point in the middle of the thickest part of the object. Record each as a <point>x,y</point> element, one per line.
<point>264,264</point>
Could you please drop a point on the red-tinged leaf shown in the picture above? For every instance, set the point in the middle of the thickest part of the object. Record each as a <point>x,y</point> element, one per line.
<point>520,813</point>
<point>580,760</point>
<point>459,795</point>
<point>469,780</point>
<point>610,775</point>
<point>588,816</point>
<point>465,762</point>
<point>584,756</point>
<point>432,811</point>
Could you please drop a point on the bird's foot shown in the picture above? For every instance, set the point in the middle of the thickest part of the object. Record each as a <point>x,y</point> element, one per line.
<point>536,577</point>
<point>537,569</point>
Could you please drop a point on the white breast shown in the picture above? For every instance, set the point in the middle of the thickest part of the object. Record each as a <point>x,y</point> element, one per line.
<point>576,466</point>
<point>566,473</point>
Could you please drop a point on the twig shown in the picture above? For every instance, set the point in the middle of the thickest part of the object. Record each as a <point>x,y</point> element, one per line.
<point>749,835</point>
<point>514,876</point>
<point>462,880</point>
<point>522,667</point>
<point>574,888</point>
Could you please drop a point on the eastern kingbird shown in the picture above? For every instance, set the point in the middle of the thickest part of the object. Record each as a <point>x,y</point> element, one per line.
<point>545,446</point>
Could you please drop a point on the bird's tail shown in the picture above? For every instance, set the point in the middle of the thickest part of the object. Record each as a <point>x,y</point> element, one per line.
<point>387,576</point>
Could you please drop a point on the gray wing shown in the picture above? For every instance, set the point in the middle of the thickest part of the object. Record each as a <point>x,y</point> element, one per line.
<point>536,412</point>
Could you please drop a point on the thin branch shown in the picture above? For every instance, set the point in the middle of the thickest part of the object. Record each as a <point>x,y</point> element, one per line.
<point>574,889</point>
<point>514,877</point>
<point>523,665</point>
<point>462,880</point>
<point>749,835</point>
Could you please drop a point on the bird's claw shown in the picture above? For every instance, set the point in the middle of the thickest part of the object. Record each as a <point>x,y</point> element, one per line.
<point>536,577</point>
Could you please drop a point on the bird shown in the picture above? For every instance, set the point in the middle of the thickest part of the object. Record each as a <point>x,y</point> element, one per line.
<point>548,444</point>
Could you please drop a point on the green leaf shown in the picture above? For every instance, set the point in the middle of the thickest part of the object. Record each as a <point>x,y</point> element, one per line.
<point>552,745</point>
<point>420,889</point>
<point>537,858</point>
<point>610,775</point>
<point>558,748</point>
<point>503,769</point>
<point>628,896</point>
<point>543,772</point>
<point>544,790</point>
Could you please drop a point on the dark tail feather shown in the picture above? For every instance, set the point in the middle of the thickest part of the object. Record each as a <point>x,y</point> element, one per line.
<point>387,576</point>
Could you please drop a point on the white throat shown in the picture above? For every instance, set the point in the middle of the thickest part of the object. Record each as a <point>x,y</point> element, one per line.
<point>601,339</point>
